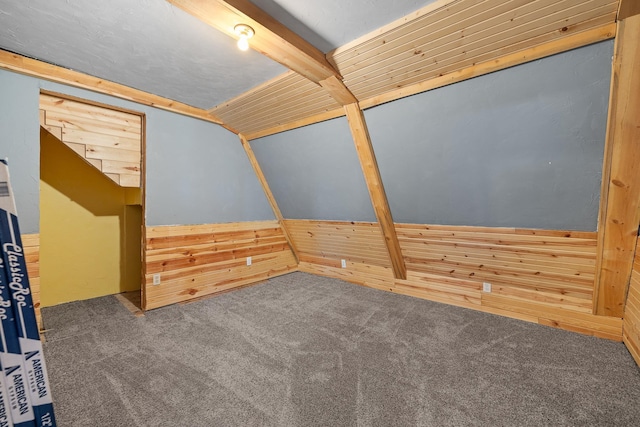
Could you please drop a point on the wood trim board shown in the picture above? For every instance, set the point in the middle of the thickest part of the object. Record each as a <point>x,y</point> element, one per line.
<point>631,325</point>
<point>32,67</point>
<point>31,246</point>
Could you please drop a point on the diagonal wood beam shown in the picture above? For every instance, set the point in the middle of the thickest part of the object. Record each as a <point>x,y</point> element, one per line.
<point>267,191</point>
<point>272,39</point>
<point>369,165</point>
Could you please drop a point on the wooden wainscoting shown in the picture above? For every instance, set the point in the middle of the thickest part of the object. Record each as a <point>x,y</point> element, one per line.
<point>541,276</point>
<point>322,245</point>
<point>31,247</point>
<point>631,325</point>
<point>556,268</point>
<point>198,260</point>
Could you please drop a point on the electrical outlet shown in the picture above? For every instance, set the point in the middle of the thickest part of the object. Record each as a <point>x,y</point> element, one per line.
<point>486,287</point>
<point>156,279</point>
<point>344,263</point>
<point>248,260</point>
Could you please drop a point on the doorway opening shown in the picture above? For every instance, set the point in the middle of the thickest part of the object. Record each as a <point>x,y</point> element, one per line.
<point>91,227</point>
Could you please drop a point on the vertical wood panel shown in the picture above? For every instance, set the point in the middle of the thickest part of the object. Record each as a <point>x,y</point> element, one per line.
<point>631,325</point>
<point>373,179</point>
<point>31,246</point>
<point>620,219</point>
<point>628,8</point>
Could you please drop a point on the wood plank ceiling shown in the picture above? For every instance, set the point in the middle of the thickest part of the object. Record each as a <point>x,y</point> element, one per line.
<point>285,99</point>
<point>441,38</point>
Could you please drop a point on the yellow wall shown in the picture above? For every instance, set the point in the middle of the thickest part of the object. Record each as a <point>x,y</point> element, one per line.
<point>89,238</point>
<point>133,248</point>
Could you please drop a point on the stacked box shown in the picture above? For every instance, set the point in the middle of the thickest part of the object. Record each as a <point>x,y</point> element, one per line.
<point>19,300</point>
<point>13,373</point>
<point>5,415</point>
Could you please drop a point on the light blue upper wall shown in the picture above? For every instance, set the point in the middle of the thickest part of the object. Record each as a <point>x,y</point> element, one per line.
<point>522,147</point>
<point>197,172</point>
<point>20,143</point>
<point>314,173</point>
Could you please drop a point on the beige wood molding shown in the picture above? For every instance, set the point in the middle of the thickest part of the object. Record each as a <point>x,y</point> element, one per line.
<point>32,67</point>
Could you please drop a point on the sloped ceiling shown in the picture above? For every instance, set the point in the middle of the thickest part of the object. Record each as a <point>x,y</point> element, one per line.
<point>145,44</point>
<point>156,47</point>
<point>370,51</point>
<point>328,24</point>
<point>442,42</point>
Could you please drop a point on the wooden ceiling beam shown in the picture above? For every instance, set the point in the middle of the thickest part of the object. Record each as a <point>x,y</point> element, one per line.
<point>271,39</point>
<point>42,70</point>
<point>338,91</point>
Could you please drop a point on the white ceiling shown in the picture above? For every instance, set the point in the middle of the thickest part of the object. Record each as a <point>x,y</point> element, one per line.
<point>328,24</point>
<point>155,47</point>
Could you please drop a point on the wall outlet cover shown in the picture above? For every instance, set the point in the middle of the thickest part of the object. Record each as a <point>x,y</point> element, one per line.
<point>248,260</point>
<point>156,279</point>
<point>344,263</point>
<point>486,287</point>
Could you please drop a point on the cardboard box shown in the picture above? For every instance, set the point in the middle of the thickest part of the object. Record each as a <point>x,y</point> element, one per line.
<point>17,284</point>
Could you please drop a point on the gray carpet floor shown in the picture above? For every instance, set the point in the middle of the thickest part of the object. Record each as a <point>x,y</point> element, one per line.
<point>302,350</point>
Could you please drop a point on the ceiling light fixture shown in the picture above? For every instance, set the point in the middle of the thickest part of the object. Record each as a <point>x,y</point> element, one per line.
<point>244,32</point>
